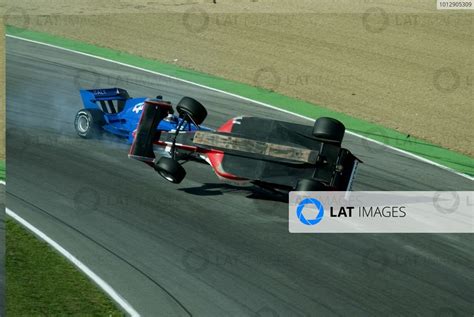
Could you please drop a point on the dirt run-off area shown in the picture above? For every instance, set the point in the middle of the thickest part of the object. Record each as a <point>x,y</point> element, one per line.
<point>402,64</point>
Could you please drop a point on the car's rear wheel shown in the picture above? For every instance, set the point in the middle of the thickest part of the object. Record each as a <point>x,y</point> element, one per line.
<point>170,170</point>
<point>192,108</point>
<point>88,123</point>
<point>308,185</point>
<point>329,130</point>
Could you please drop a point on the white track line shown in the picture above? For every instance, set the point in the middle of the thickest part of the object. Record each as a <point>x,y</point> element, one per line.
<point>81,266</point>
<point>246,99</point>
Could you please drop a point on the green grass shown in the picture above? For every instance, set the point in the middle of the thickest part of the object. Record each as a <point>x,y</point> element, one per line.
<point>2,170</point>
<point>40,282</point>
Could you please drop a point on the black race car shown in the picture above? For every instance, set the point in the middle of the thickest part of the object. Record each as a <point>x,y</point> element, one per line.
<point>268,153</point>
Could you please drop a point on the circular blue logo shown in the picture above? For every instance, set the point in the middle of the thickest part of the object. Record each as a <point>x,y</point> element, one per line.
<point>319,207</point>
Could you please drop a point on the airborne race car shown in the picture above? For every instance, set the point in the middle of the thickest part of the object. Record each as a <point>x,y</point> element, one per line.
<point>268,153</point>
<point>113,110</point>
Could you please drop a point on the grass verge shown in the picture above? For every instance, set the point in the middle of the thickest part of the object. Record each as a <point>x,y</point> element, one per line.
<point>40,282</point>
<point>2,170</point>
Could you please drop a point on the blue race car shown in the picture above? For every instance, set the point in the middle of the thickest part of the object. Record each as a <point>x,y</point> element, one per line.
<point>114,111</point>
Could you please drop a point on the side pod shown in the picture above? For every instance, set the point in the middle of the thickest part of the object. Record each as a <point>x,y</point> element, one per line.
<point>146,133</point>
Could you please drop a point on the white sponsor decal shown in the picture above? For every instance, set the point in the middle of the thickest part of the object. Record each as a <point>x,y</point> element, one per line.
<point>138,107</point>
<point>382,212</point>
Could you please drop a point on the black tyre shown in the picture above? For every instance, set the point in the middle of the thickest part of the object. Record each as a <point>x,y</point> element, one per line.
<point>170,170</point>
<point>88,123</point>
<point>308,185</point>
<point>193,108</point>
<point>329,130</point>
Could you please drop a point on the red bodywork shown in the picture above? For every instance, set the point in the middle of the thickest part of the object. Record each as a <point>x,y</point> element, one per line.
<point>214,157</point>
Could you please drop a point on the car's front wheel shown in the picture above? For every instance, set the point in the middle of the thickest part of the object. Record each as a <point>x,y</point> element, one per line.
<point>192,108</point>
<point>329,130</point>
<point>170,170</point>
<point>88,123</point>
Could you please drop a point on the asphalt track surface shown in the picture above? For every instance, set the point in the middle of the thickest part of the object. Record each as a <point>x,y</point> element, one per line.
<point>203,248</point>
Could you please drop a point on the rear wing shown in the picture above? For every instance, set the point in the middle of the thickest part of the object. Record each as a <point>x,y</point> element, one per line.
<point>106,94</point>
<point>89,97</point>
<point>109,100</point>
<point>142,147</point>
<point>345,170</point>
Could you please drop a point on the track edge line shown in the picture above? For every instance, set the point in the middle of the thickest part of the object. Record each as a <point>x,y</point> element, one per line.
<point>81,266</point>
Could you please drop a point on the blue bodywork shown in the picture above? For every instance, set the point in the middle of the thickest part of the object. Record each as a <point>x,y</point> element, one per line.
<point>122,113</point>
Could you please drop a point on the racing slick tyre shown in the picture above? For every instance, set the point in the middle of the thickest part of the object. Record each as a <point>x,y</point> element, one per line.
<point>89,122</point>
<point>329,130</point>
<point>192,108</point>
<point>308,185</point>
<point>170,170</point>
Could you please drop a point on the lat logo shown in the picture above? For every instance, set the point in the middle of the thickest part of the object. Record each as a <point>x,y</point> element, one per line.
<point>138,107</point>
<point>310,202</point>
<point>343,212</point>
